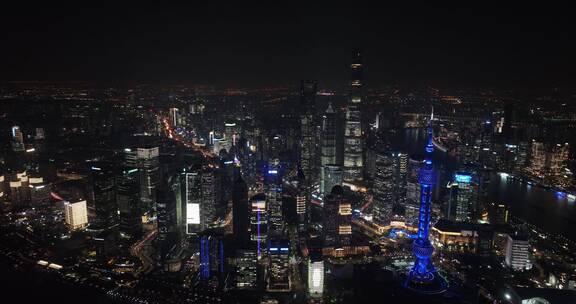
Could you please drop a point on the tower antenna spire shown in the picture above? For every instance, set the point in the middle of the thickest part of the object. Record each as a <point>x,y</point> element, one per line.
<point>423,277</point>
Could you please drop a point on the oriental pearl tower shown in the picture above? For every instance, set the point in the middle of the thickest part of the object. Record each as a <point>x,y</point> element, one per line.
<point>423,277</point>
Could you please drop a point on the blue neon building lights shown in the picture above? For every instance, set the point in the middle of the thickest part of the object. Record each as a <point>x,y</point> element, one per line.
<point>204,257</point>
<point>423,276</point>
<point>463,178</point>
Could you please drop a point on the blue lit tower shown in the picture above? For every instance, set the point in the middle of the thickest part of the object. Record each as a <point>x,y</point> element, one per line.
<point>211,254</point>
<point>423,277</point>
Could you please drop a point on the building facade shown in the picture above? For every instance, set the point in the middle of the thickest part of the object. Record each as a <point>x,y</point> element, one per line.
<point>353,136</point>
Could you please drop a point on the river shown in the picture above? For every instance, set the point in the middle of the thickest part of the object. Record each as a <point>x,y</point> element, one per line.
<point>543,208</point>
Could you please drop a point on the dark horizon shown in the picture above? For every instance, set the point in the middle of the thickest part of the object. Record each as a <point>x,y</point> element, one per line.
<point>253,47</point>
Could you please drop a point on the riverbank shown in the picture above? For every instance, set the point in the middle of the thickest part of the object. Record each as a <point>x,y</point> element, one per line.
<point>33,286</point>
<point>549,209</point>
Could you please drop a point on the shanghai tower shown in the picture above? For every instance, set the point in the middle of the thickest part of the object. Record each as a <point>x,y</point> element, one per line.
<point>353,162</point>
<point>423,277</point>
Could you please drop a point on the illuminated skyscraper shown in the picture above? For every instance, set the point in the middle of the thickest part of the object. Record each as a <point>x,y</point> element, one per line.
<point>307,143</point>
<point>308,153</point>
<point>548,160</point>
<point>231,133</point>
<point>353,146</point>
<point>174,116</point>
<point>76,214</point>
<point>344,223</point>
<point>17,140</point>
<point>39,134</point>
<point>331,176</point>
<point>315,276</point>
<point>3,194</point>
<point>383,188</point>
<point>518,252</point>
<point>412,202</point>
<point>423,277</point>
<point>557,158</point>
<point>273,188</point>
<point>400,177</point>
<point>522,153</point>
<point>463,197</point>
<point>328,156</point>
<point>258,223</point>
<point>278,272</point>
<point>217,141</point>
<point>302,205</point>
<point>412,185</point>
<point>211,254</point>
<point>208,207</point>
<point>193,201</point>
<point>498,213</point>
<point>246,269</point>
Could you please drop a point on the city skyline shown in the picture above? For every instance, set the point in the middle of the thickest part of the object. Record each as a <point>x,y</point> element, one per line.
<point>190,154</point>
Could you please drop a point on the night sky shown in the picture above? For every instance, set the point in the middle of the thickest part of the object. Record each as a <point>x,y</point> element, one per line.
<point>255,46</point>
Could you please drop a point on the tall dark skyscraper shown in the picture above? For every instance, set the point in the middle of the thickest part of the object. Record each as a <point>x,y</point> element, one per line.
<point>331,216</point>
<point>128,200</point>
<point>104,204</point>
<point>328,139</point>
<point>508,117</point>
<point>175,184</point>
<point>328,147</point>
<point>331,176</point>
<point>147,160</point>
<point>166,216</point>
<point>353,143</point>
<point>241,212</point>
<point>423,277</point>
